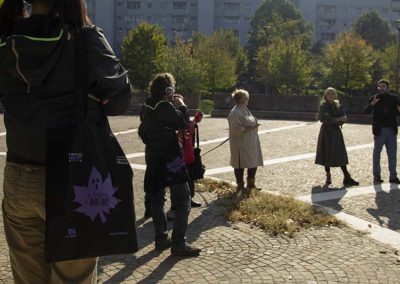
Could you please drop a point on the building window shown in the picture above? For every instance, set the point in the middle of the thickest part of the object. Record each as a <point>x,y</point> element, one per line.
<point>328,23</point>
<point>164,5</point>
<point>231,20</point>
<point>328,9</point>
<point>149,19</point>
<point>149,5</point>
<point>179,19</point>
<point>247,7</point>
<point>179,4</point>
<point>231,6</point>
<point>133,4</point>
<point>163,19</point>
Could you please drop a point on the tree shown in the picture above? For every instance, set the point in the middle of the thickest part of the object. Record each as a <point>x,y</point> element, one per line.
<point>348,62</point>
<point>218,62</point>
<point>389,64</point>
<point>144,52</point>
<point>277,19</point>
<point>285,65</point>
<point>188,71</point>
<point>232,44</point>
<point>374,30</point>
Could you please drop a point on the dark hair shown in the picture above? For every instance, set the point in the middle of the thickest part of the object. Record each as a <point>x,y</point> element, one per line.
<point>160,83</point>
<point>70,12</point>
<point>383,81</point>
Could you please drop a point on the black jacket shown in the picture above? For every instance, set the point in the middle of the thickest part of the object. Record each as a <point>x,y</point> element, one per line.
<point>162,120</point>
<point>384,112</point>
<point>38,88</point>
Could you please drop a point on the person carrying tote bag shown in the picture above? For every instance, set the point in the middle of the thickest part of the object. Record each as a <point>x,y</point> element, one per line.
<point>39,92</point>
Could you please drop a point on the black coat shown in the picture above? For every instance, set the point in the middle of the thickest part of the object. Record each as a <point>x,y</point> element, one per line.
<point>384,112</point>
<point>163,153</point>
<point>331,150</point>
<point>37,83</point>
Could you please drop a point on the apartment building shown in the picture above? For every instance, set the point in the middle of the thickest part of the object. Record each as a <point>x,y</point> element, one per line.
<point>331,17</point>
<point>178,18</point>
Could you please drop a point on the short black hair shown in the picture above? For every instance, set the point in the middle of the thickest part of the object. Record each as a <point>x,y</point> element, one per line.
<point>383,81</point>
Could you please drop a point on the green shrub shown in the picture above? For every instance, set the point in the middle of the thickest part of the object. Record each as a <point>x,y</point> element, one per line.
<point>206,106</point>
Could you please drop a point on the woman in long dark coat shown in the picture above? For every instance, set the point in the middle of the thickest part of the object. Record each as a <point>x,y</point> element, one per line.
<point>331,150</point>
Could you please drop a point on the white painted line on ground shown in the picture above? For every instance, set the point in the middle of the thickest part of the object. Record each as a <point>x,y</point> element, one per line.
<point>135,155</point>
<point>352,192</point>
<point>125,132</point>
<point>288,159</point>
<point>259,133</point>
<point>376,232</point>
<point>138,166</point>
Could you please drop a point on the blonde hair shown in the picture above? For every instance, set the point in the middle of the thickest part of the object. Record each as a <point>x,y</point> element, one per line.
<point>239,94</point>
<point>331,90</point>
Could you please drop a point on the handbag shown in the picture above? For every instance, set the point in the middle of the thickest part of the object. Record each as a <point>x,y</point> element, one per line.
<point>89,191</point>
<point>196,170</point>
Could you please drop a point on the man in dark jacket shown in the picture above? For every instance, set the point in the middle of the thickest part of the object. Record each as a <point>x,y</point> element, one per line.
<point>39,91</point>
<point>385,109</point>
<point>162,116</point>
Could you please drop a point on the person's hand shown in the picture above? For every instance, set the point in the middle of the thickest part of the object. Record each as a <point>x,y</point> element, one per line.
<point>104,102</point>
<point>398,108</point>
<point>341,119</point>
<point>374,101</point>
<point>178,100</point>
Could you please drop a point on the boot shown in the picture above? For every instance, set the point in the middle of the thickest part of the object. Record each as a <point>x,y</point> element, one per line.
<point>240,185</point>
<point>251,184</point>
<point>348,181</point>
<point>328,179</point>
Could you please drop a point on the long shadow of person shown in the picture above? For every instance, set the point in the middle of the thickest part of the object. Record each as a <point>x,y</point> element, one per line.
<point>208,218</point>
<point>328,196</point>
<point>388,206</point>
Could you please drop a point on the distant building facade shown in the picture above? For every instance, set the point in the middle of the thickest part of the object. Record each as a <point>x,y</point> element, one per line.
<point>181,18</point>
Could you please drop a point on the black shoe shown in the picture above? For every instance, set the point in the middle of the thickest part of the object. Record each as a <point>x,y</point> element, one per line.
<point>378,179</point>
<point>163,244</point>
<point>185,250</point>
<point>170,215</point>
<point>395,180</point>
<point>195,204</point>
<point>147,214</point>
<point>348,181</point>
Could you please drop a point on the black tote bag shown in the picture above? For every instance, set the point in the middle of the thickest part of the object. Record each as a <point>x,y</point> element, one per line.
<point>89,191</point>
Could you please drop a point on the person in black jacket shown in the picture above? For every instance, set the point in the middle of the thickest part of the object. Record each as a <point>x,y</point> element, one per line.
<point>38,91</point>
<point>385,109</point>
<point>161,117</point>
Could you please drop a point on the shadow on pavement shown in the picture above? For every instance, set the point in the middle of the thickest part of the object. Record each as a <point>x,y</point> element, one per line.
<point>209,218</point>
<point>388,206</point>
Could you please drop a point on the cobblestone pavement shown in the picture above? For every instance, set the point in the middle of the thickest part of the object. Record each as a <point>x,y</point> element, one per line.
<point>240,253</point>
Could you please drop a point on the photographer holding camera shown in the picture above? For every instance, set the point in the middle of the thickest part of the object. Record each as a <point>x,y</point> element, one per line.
<point>162,115</point>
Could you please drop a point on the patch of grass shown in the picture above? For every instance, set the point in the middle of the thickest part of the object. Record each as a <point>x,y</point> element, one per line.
<point>278,215</point>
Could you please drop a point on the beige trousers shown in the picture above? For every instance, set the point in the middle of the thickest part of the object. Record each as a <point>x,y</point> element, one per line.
<point>24,226</point>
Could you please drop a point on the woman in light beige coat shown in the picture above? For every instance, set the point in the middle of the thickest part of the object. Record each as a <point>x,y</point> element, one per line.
<point>244,141</point>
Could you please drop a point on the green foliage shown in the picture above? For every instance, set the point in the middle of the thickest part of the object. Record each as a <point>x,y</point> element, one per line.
<point>218,62</point>
<point>285,66</point>
<point>144,53</point>
<point>348,62</point>
<point>374,30</point>
<point>389,63</point>
<point>188,71</point>
<point>206,106</point>
<point>277,19</point>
